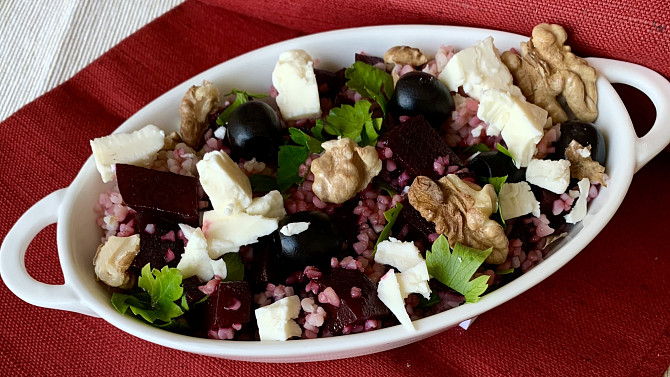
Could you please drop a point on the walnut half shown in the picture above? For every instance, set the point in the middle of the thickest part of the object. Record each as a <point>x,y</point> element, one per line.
<point>197,103</point>
<point>461,211</point>
<point>343,170</point>
<point>405,55</point>
<point>547,68</point>
<point>113,259</point>
<point>582,165</point>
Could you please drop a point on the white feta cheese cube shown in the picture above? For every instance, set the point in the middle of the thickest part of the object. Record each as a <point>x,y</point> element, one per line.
<point>268,205</point>
<point>227,186</point>
<point>195,260</point>
<point>294,79</point>
<point>399,254</point>
<point>276,321</point>
<point>138,148</point>
<point>292,229</point>
<point>388,291</point>
<point>477,69</point>
<point>551,175</point>
<point>520,123</point>
<point>579,209</point>
<point>219,268</point>
<point>414,280</point>
<point>226,233</point>
<point>517,199</point>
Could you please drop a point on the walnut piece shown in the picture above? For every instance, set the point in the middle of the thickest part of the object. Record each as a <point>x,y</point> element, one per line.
<point>461,211</point>
<point>197,103</point>
<point>405,55</point>
<point>112,260</point>
<point>547,69</point>
<point>343,170</point>
<point>171,141</point>
<point>582,165</point>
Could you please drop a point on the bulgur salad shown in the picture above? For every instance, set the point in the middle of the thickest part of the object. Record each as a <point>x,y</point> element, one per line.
<point>341,202</point>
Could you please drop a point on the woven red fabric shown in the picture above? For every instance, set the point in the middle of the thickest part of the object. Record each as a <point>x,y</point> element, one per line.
<point>607,312</point>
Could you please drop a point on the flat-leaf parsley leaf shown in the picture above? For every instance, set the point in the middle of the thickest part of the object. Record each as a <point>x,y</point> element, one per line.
<point>161,289</point>
<point>354,122</point>
<point>289,159</point>
<point>370,82</point>
<point>454,268</point>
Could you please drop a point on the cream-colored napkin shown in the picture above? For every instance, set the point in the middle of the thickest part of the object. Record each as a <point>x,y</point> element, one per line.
<point>46,42</point>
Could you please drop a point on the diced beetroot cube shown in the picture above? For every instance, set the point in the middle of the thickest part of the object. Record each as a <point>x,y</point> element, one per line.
<point>416,145</point>
<point>167,195</point>
<point>191,291</point>
<point>419,227</point>
<point>368,59</point>
<point>265,267</point>
<point>228,305</point>
<point>352,311</point>
<point>158,248</point>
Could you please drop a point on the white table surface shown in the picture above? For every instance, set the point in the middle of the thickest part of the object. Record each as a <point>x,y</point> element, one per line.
<point>45,42</point>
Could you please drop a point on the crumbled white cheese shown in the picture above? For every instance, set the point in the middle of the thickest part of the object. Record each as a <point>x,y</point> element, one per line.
<point>219,268</point>
<point>276,321</point>
<point>579,209</point>
<point>388,291</point>
<point>584,152</point>
<point>292,229</point>
<point>226,233</point>
<point>195,260</point>
<point>220,132</point>
<point>225,183</point>
<point>413,276</point>
<point>399,254</point>
<point>298,92</point>
<point>414,280</point>
<point>517,199</point>
<point>520,123</point>
<point>477,131</point>
<point>477,69</point>
<point>548,174</point>
<point>138,148</point>
<point>268,205</point>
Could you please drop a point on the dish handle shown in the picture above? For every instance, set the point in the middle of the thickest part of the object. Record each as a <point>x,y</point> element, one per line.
<point>13,266</point>
<point>657,88</point>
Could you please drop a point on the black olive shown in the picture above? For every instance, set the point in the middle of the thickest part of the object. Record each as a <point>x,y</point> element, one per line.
<point>420,93</point>
<point>495,164</point>
<point>314,246</point>
<point>585,134</point>
<point>254,130</point>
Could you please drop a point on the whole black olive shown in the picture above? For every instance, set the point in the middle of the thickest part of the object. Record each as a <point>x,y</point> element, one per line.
<point>420,93</point>
<point>585,134</point>
<point>495,164</point>
<point>254,130</point>
<point>314,246</point>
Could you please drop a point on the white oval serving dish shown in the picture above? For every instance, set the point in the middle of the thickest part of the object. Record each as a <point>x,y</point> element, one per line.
<point>78,235</point>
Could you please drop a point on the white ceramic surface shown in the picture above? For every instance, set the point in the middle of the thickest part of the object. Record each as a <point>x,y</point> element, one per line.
<point>78,235</point>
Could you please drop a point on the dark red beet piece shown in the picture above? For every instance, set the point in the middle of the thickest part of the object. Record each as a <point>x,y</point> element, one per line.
<point>352,311</point>
<point>156,248</point>
<point>368,59</point>
<point>419,227</point>
<point>265,267</point>
<point>167,195</point>
<point>416,145</point>
<point>191,291</point>
<point>229,304</point>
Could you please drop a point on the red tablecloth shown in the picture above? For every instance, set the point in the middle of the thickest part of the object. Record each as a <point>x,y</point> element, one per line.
<point>606,313</point>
